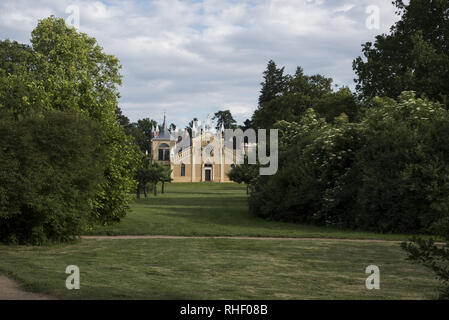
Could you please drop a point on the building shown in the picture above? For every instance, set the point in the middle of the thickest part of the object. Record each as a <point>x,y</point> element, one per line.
<point>197,158</point>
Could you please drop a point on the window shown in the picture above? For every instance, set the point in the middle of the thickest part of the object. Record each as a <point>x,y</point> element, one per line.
<point>161,154</point>
<point>183,170</point>
<point>164,152</point>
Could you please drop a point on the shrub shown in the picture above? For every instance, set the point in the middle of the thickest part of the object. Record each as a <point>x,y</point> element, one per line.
<point>386,173</point>
<point>51,166</point>
<point>432,255</point>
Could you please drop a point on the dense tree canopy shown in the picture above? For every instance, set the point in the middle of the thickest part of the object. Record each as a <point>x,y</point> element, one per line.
<point>385,173</point>
<point>414,56</point>
<point>225,118</point>
<point>287,97</point>
<point>64,70</point>
<point>50,167</point>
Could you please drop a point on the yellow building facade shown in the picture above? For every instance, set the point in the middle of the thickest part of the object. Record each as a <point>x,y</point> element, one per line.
<point>200,158</point>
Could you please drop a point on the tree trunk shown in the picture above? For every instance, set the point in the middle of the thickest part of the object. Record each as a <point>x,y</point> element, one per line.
<point>145,191</point>
<point>155,189</point>
<point>247,189</point>
<point>138,191</point>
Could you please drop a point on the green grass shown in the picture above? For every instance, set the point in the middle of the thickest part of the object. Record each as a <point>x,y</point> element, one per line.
<point>219,269</point>
<point>213,209</point>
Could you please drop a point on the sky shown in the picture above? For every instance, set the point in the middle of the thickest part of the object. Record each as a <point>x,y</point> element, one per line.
<point>191,58</point>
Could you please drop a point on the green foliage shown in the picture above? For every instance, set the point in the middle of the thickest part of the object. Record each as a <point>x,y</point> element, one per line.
<point>434,256</point>
<point>152,173</point>
<point>287,97</point>
<point>68,71</point>
<point>50,169</point>
<point>123,120</point>
<point>114,197</point>
<point>386,173</point>
<point>224,118</point>
<point>142,133</point>
<point>414,56</point>
<point>244,173</point>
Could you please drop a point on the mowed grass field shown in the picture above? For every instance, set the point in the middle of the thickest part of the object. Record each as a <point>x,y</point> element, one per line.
<point>214,209</point>
<point>219,269</point>
<point>304,268</point>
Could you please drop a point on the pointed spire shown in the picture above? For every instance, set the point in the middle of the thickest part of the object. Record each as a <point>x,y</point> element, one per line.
<point>164,125</point>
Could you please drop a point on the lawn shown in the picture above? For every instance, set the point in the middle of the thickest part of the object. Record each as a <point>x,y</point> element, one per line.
<point>214,209</point>
<point>218,268</point>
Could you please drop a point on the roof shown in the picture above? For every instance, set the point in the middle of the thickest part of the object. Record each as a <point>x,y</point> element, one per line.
<point>164,134</point>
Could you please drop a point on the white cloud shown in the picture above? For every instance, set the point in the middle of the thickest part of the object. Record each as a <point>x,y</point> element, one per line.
<point>193,58</point>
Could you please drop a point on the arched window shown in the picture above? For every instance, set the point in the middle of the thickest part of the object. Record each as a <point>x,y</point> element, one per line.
<point>183,170</point>
<point>164,152</point>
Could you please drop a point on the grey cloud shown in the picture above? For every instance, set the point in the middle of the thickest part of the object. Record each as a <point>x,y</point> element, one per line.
<point>195,57</point>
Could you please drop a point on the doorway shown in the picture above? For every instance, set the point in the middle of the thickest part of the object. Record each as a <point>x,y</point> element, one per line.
<point>207,174</point>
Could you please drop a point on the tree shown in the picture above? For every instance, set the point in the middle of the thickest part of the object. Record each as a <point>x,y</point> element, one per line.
<point>68,71</point>
<point>432,255</point>
<point>142,131</point>
<point>273,84</point>
<point>172,128</point>
<point>224,118</point>
<point>293,96</point>
<point>15,57</point>
<point>247,124</point>
<point>272,88</point>
<point>155,174</point>
<point>244,173</point>
<point>386,173</point>
<point>414,56</point>
<point>123,120</point>
<point>51,167</point>
<point>143,177</point>
<point>331,105</point>
<point>165,176</point>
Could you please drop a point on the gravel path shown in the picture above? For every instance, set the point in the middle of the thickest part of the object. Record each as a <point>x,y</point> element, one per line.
<point>10,290</point>
<point>124,237</point>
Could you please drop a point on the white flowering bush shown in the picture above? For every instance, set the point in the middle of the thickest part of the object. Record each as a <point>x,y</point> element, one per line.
<point>386,173</point>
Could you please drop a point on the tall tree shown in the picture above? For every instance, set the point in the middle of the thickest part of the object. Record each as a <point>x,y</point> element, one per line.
<point>224,118</point>
<point>247,124</point>
<point>50,167</point>
<point>272,88</point>
<point>70,72</point>
<point>165,176</point>
<point>414,56</point>
<point>293,96</point>
<point>142,131</point>
<point>273,84</point>
<point>123,120</point>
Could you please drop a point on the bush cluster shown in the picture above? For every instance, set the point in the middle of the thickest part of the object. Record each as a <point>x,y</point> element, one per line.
<point>384,173</point>
<point>51,166</point>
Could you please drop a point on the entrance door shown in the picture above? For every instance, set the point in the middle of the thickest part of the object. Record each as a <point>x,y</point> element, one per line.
<point>207,174</point>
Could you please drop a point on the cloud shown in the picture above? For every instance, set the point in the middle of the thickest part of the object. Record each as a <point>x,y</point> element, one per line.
<point>193,58</point>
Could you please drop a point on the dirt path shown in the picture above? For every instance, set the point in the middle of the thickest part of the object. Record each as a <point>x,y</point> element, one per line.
<point>10,290</point>
<point>124,237</point>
